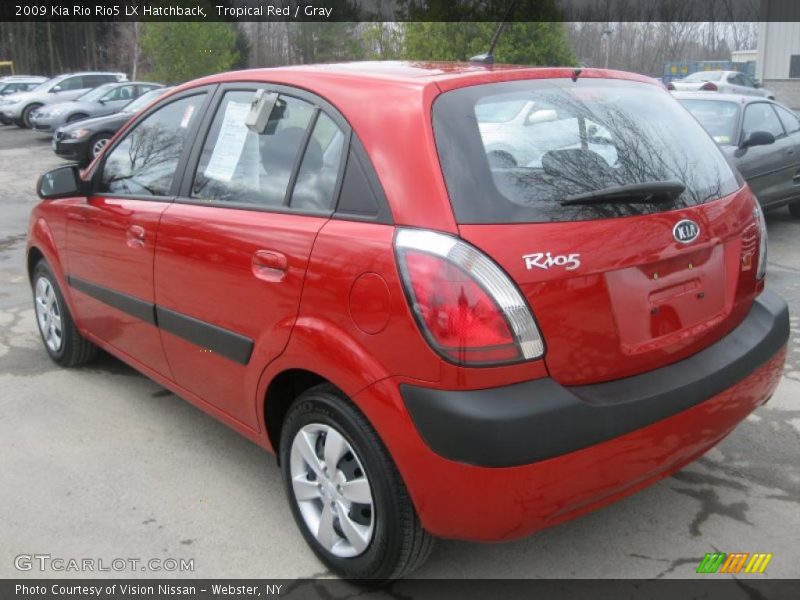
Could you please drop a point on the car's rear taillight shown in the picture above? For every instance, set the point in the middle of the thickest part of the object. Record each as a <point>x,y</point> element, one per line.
<point>467,307</point>
<point>708,86</point>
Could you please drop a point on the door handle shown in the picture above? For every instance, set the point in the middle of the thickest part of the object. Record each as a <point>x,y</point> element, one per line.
<point>269,265</point>
<point>135,236</point>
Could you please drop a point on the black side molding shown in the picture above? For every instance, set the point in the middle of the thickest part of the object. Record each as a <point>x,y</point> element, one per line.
<point>224,342</point>
<point>141,309</point>
<point>229,344</point>
<point>527,422</point>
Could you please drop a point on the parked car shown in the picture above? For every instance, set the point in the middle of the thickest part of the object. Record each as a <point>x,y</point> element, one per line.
<point>726,82</point>
<point>19,83</point>
<point>104,100</point>
<point>17,108</point>
<point>13,84</point>
<point>433,345</point>
<point>760,136</point>
<point>83,141</point>
<point>500,124</point>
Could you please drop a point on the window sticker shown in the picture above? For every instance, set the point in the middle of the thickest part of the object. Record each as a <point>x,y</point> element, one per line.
<point>230,142</point>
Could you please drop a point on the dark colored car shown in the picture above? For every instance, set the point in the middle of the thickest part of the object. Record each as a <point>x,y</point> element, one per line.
<point>328,260</point>
<point>82,141</point>
<point>101,101</point>
<point>761,137</point>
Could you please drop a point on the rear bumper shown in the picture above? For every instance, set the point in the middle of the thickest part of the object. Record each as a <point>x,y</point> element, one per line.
<point>540,419</point>
<point>594,444</point>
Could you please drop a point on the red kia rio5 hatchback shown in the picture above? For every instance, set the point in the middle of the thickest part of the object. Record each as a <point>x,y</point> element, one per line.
<point>456,301</point>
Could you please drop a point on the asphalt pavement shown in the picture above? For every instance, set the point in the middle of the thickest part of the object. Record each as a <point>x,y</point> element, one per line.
<point>102,463</point>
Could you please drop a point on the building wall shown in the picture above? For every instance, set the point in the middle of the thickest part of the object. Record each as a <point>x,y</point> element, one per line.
<point>777,42</point>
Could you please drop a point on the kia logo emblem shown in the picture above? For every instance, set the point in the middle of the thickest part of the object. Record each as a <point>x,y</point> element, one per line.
<point>685,231</point>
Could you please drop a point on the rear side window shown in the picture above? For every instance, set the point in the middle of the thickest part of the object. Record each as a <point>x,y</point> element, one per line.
<point>143,163</point>
<point>570,139</point>
<point>299,150</point>
<point>72,83</point>
<point>761,117</point>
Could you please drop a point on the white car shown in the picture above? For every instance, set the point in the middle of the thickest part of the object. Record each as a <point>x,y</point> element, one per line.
<point>17,108</point>
<point>727,82</point>
<point>546,130</point>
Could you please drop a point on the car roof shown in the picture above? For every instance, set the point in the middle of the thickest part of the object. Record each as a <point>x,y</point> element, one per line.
<point>446,75</point>
<point>22,78</point>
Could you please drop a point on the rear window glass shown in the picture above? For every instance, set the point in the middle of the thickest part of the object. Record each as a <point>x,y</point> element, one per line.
<point>570,139</point>
<point>718,118</point>
<point>704,76</point>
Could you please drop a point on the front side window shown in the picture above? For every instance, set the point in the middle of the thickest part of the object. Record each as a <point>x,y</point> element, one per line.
<point>761,117</point>
<point>240,166</point>
<point>71,83</point>
<point>144,162</point>
<point>579,137</point>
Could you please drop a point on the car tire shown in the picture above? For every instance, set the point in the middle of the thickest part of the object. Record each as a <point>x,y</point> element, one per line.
<point>96,145</point>
<point>388,539</point>
<point>794,209</point>
<point>25,117</point>
<point>77,117</point>
<point>61,338</point>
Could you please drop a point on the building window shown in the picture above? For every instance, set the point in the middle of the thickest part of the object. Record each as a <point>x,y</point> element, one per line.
<point>794,67</point>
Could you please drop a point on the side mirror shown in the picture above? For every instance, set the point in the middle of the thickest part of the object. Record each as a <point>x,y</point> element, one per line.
<point>757,84</point>
<point>758,138</point>
<point>62,182</point>
<point>56,89</point>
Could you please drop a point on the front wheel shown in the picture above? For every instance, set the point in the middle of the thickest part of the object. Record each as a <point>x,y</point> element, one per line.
<point>97,144</point>
<point>794,209</point>
<point>345,492</point>
<point>25,118</point>
<point>60,336</point>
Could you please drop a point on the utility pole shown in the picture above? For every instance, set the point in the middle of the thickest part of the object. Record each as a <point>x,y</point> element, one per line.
<point>607,36</point>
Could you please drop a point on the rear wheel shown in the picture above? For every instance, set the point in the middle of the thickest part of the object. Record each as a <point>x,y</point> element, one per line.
<point>61,338</point>
<point>97,144</point>
<point>25,118</point>
<point>794,209</point>
<point>345,493</point>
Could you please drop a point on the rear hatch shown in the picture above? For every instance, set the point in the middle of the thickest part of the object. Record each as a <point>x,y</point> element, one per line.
<point>612,210</point>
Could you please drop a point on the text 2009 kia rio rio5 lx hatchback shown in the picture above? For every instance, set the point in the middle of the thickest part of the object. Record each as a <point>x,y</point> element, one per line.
<point>456,301</point>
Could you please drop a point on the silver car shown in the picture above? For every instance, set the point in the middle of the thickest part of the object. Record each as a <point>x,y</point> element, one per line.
<point>726,82</point>
<point>17,108</point>
<point>19,83</point>
<point>104,100</point>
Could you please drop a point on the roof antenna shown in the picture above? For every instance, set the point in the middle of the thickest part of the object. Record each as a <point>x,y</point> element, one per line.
<point>488,58</point>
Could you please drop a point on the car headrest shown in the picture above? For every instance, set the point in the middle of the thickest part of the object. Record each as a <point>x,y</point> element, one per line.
<point>280,150</point>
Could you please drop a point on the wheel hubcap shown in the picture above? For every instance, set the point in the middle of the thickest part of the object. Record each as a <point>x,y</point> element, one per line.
<point>331,490</point>
<point>98,146</point>
<point>48,314</point>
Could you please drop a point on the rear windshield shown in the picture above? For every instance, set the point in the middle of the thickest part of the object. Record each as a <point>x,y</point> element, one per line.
<point>558,139</point>
<point>718,118</point>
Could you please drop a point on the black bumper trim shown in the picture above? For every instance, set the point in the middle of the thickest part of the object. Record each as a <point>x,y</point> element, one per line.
<point>535,420</point>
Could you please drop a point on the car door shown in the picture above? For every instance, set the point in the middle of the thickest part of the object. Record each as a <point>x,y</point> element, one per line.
<point>233,249</point>
<point>111,234</point>
<point>767,169</point>
<point>791,124</point>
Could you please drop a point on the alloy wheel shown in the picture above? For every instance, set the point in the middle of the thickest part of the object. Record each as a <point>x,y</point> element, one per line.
<point>332,490</point>
<point>48,314</point>
<point>98,146</point>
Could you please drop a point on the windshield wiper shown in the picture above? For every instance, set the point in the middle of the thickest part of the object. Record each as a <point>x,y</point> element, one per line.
<point>640,193</point>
